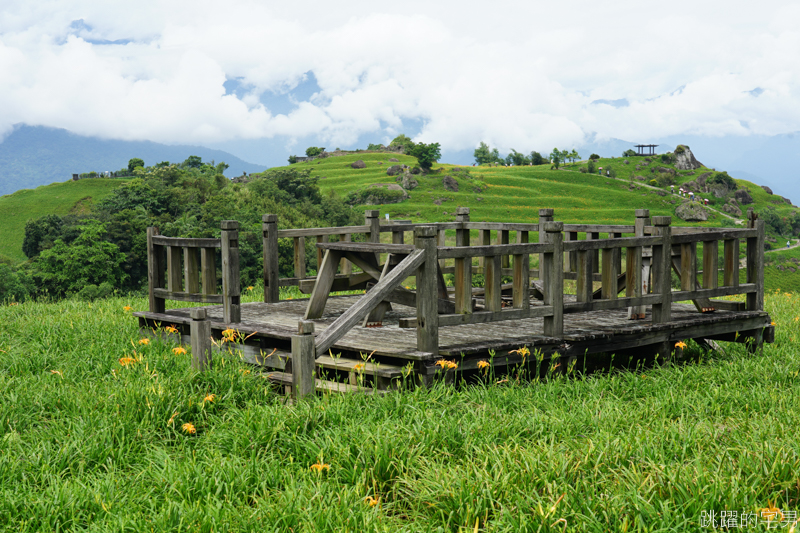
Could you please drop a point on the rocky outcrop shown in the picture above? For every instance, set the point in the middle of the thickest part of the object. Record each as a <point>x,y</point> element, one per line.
<point>732,209</point>
<point>766,189</point>
<point>394,169</point>
<point>407,181</point>
<point>359,164</point>
<point>393,160</point>
<point>450,184</point>
<point>684,158</point>
<point>703,178</point>
<point>743,197</point>
<point>691,212</point>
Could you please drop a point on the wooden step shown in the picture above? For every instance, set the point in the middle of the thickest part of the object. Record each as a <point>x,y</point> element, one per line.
<point>370,368</point>
<point>322,385</point>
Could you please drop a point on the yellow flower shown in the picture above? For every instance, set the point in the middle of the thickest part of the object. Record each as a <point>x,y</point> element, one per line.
<point>209,398</point>
<point>444,363</point>
<point>680,344</point>
<point>170,329</point>
<point>180,350</point>
<point>372,502</point>
<point>359,367</point>
<point>483,364</point>
<point>172,418</point>
<point>228,335</point>
<point>524,352</point>
<point>771,513</point>
<point>319,467</point>
<point>144,341</point>
<point>57,372</point>
<point>189,428</point>
<point>127,308</point>
<point>250,288</point>
<point>772,323</point>
<point>125,361</point>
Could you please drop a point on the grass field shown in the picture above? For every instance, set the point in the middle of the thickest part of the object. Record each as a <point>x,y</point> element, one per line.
<point>57,198</point>
<point>90,444</point>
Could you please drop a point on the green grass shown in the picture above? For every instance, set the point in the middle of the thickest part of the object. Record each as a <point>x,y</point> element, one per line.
<point>89,445</point>
<point>57,198</point>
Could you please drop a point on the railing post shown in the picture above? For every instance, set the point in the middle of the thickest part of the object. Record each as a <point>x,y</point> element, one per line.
<point>200,333</point>
<point>269,229</point>
<point>642,266</point>
<point>155,272</point>
<point>231,285</point>
<point>463,267</point>
<point>427,291</point>
<point>545,215</point>
<point>522,276</point>
<point>371,219</point>
<point>755,263</point>
<point>304,356</point>
<point>662,270</point>
<point>553,279</point>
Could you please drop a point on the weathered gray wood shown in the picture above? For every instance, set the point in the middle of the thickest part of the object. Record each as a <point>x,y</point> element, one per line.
<point>365,304</point>
<point>365,261</point>
<point>191,270</point>
<point>498,226</point>
<point>584,286</point>
<point>701,303</point>
<point>372,220</point>
<point>482,317</point>
<point>610,275</point>
<point>269,229</point>
<point>554,279</point>
<point>571,256</point>
<point>662,271</point>
<point>596,251</point>
<point>441,240</point>
<point>183,243</point>
<point>200,331</point>
<point>321,239</point>
<point>730,266</point>
<point>688,266</point>
<point>322,288</point>
<point>174,272</point>
<point>367,247</point>
<point>303,360</point>
<point>231,284</point>
<point>725,305</point>
<point>208,269</point>
<point>642,264</point>
<point>503,238</point>
<point>625,242</point>
<point>619,303</point>
<point>188,296</point>
<point>598,228</point>
<point>463,269</point>
<point>398,237</point>
<point>342,282</point>
<point>344,265</point>
<point>313,232</point>
<point>493,280</point>
<point>521,297</point>
<point>485,239</point>
<point>427,309</point>
<point>300,257</point>
<point>545,215</point>
<point>155,272</point>
<point>492,250</point>
<point>617,252</point>
<point>755,265</point>
<point>718,235</point>
<point>710,264</point>
<point>698,294</point>
<point>379,311</point>
<point>633,275</point>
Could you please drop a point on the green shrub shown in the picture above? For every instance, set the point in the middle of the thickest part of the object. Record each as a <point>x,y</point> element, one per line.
<point>374,196</point>
<point>654,183</point>
<point>313,151</point>
<point>629,153</point>
<point>680,149</point>
<point>668,158</point>
<point>591,167</point>
<point>664,179</point>
<point>292,159</point>
<point>724,179</point>
<point>594,156</point>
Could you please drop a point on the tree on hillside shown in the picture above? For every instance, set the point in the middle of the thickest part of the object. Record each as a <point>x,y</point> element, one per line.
<point>426,154</point>
<point>517,158</point>
<point>594,156</point>
<point>574,155</point>
<point>485,154</point>
<point>564,155</point>
<point>629,153</point>
<point>193,161</point>
<point>536,158</point>
<point>401,140</point>
<point>555,157</point>
<point>313,151</point>
<point>135,162</point>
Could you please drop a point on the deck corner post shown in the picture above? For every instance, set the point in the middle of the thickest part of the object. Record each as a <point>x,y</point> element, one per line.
<point>269,228</point>
<point>200,333</point>
<point>755,262</point>
<point>545,215</point>
<point>231,289</point>
<point>371,219</point>
<point>553,278</point>
<point>642,266</point>
<point>304,355</point>
<point>463,267</point>
<point>155,272</point>
<point>662,270</point>
<point>427,291</point>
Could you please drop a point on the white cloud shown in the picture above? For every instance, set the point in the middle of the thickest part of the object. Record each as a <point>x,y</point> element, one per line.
<point>515,76</point>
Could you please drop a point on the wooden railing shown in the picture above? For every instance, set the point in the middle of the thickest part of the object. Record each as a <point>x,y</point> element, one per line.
<point>185,270</point>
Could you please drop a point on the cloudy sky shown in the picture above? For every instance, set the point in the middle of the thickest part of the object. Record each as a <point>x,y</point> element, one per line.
<point>528,75</point>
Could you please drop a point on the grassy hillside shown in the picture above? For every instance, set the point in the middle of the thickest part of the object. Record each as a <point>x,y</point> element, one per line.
<point>56,198</point>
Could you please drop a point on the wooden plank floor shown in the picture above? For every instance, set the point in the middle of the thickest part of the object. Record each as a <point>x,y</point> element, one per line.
<point>590,330</point>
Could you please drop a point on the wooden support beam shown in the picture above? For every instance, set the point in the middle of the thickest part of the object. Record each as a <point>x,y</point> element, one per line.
<point>269,229</point>
<point>643,264</point>
<point>231,284</point>
<point>299,257</point>
<point>155,271</point>
<point>571,257</point>
<point>545,215</point>
<point>662,271</point>
<point>366,262</point>
<point>463,267</point>
<point>191,269</point>
<point>322,288</point>
<point>174,272</point>
<point>303,360</point>
<point>493,280</point>
<point>755,264</point>
<point>208,268</point>
<point>502,238</point>
<point>321,239</point>
<point>553,279</point>
<point>522,277</point>
<point>344,264</point>
<point>730,263</point>
<point>688,266</point>
<point>710,264</point>
<point>379,311</point>
<point>200,333</point>
<point>584,285</point>
<point>610,275</point>
<point>427,312</point>
<point>485,239</point>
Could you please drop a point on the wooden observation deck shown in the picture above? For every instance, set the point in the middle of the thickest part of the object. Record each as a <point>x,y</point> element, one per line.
<point>620,299</point>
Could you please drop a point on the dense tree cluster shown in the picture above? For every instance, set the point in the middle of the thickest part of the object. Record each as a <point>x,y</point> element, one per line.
<point>106,249</point>
<point>486,155</point>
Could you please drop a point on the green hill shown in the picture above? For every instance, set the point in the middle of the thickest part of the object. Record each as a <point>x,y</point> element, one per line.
<point>57,198</point>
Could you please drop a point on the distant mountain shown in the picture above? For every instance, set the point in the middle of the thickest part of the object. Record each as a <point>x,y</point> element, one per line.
<point>34,155</point>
